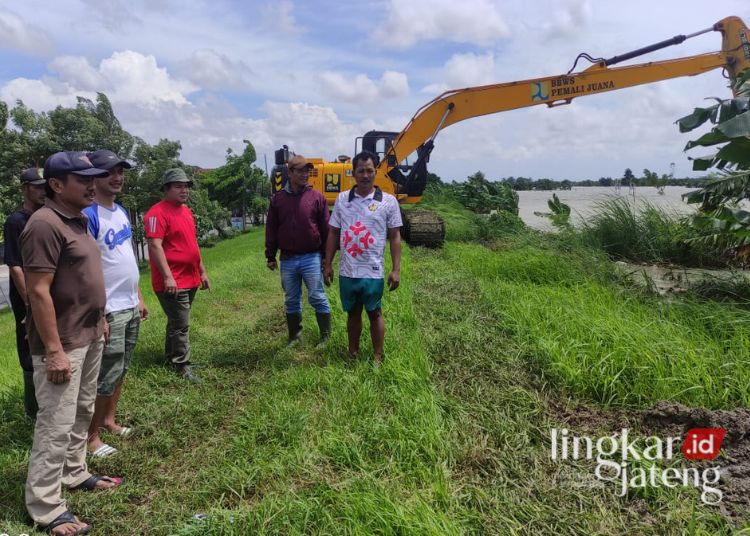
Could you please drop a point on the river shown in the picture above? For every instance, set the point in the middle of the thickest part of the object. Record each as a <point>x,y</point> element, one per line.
<point>583,200</point>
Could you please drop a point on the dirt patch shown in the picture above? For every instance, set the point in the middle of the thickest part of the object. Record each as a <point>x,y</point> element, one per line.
<point>668,419</point>
<point>588,419</point>
<point>673,280</point>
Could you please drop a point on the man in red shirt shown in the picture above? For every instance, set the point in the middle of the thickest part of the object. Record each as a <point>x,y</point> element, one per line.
<point>177,269</point>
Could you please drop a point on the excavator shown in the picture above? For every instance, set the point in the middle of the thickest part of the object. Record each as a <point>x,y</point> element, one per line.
<point>407,181</point>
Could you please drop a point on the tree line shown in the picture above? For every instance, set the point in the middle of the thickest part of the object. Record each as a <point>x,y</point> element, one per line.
<point>27,138</point>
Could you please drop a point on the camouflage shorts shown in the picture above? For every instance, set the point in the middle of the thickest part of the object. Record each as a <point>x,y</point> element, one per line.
<point>123,334</point>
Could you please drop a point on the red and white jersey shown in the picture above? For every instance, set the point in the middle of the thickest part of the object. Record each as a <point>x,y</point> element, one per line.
<point>364,224</point>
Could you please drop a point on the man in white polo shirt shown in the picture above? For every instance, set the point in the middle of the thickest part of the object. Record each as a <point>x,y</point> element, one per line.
<point>110,226</point>
<point>363,219</point>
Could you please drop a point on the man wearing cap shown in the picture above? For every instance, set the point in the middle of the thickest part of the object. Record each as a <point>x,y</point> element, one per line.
<point>66,328</point>
<point>32,191</point>
<point>177,270</point>
<point>363,219</point>
<point>110,226</point>
<point>297,224</point>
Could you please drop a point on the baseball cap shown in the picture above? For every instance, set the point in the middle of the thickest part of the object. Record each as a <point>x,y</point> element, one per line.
<point>299,161</point>
<point>174,175</point>
<point>75,162</point>
<point>33,176</point>
<point>104,159</point>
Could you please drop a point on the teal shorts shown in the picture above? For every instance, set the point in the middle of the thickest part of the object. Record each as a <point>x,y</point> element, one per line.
<point>366,291</point>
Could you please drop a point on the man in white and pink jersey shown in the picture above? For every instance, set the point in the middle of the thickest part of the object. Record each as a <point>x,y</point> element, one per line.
<point>363,219</point>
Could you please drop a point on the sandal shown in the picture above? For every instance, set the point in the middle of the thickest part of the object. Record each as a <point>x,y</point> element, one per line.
<point>104,451</point>
<point>67,517</point>
<point>90,483</point>
<point>124,431</point>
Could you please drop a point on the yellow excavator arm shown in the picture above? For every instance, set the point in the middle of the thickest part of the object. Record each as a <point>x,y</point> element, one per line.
<point>457,105</point>
<point>408,180</point>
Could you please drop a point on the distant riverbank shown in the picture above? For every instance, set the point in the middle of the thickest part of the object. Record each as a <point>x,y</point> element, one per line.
<point>583,201</point>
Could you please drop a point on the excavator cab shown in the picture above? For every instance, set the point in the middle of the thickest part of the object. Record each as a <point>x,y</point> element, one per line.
<point>411,179</point>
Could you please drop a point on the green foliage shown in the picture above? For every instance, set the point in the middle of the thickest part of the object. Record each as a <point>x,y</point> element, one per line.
<point>720,220</point>
<point>646,234</point>
<point>239,184</point>
<point>482,196</point>
<point>559,213</point>
<point>498,224</point>
<point>209,215</point>
<point>3,115</point>
<point>30,137</point>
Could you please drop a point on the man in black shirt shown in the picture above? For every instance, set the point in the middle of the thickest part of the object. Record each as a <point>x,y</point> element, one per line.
<point>32,189</point>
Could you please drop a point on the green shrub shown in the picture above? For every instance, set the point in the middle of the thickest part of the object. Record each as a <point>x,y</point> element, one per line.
<point>646,233</point>
<point>498,224</point>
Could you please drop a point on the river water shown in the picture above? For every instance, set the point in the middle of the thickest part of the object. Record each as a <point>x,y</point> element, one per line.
<point>583,200</point>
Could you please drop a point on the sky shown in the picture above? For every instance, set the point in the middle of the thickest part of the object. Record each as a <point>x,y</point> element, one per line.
<point>314,75</point>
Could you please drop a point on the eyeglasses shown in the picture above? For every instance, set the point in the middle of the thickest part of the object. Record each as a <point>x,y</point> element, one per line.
<point>301,170</point>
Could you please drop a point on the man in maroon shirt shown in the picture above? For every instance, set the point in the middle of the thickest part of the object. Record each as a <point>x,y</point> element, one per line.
<point>297,224</point>
<point>177,269</point>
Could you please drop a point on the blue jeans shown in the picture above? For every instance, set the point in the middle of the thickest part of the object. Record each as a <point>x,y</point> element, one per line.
<point>294,270</point>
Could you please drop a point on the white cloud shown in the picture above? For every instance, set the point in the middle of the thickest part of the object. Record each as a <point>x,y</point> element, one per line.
<point>363,89</point>
<point>469,21</point>
<point>138,79</point>
<point>113,14</point>
<point>212,70</point>
<point>40,95</point>
<point>465,70</point>
<point>281,16</point>
<point>321,115</point>
<point>152,104</point>
<point>79,73</point>
<point>570,22</point>
<point>16,34</point>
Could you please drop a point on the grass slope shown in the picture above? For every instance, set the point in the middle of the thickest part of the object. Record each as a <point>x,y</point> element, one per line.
<point>449,437</point>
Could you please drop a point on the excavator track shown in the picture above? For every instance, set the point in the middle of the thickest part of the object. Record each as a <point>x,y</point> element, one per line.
<point>423,228</point>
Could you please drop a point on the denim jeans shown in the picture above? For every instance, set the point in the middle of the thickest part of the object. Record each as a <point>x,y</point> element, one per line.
<point>294,270</point>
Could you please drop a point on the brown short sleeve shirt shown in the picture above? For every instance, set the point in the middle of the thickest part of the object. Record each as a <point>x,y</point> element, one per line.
<point>56,242</point>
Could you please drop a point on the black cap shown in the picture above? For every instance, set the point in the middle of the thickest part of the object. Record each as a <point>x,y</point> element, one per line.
<point>74,162</point>
<point>32,175</point>
<point>104,159</point>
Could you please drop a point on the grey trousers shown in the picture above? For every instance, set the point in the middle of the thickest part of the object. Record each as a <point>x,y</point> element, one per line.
<point>177,337</point>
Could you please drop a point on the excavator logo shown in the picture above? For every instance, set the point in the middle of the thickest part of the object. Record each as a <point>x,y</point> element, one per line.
<point>539,91</point>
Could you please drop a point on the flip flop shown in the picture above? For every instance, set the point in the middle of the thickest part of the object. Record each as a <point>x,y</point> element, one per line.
<point>124,431</point>
<point>67,517</point>
<point>90,483</point>
<point>104,451</point>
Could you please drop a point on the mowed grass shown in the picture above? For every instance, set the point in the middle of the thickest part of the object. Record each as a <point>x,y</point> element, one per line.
<point>450,436</point>
<point>282,441</point>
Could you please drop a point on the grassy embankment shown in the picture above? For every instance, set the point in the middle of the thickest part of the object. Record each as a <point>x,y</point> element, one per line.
<point>449,437</point>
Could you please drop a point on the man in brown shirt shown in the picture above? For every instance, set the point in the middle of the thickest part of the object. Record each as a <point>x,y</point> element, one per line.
<point>66,325</point>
